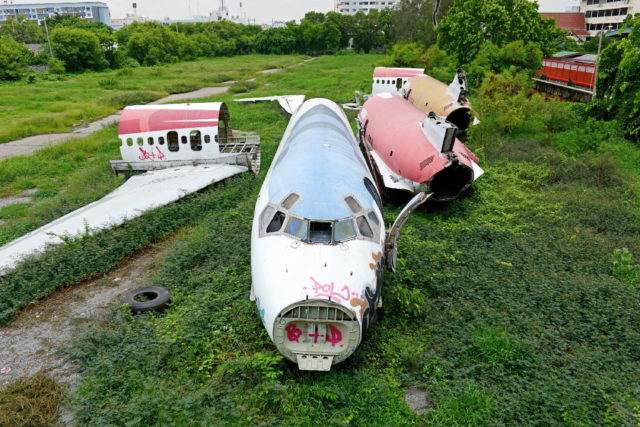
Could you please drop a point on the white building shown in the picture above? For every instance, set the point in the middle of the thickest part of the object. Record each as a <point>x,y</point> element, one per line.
<point>351,7</point>
<point>37,12</point>
<point>607,14</point>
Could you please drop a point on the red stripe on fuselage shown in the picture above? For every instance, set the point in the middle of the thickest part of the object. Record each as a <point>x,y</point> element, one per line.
<point>153,120</point>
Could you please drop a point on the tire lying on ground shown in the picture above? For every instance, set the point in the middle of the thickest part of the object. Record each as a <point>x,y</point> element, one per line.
<point>147,298</point>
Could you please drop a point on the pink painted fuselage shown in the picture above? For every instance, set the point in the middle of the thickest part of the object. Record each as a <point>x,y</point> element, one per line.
<point>410,147</point>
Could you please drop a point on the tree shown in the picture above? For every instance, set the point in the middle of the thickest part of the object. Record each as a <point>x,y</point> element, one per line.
<point>79,49</point>
<point>414,20</point>
<point>22,30</point>
<point>472,23</point>
<point>14,56</point>
<point>278,41</point>
<point>368,31</point>
<point>618,83</point>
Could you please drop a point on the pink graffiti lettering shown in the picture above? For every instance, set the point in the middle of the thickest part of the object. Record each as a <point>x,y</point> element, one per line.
<point>335,336</point>
<point>151,155</point>
<point>293,333</point>
<point>328,291</point>
<point>315,335</point>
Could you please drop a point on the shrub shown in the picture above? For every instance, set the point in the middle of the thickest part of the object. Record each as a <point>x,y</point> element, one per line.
<point>56,66</point>
<point>14,56</point>
<point>407,55</point>
<point>78,49</point>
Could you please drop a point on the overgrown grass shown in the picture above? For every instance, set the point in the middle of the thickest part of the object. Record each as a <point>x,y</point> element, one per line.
<point>55,105</point>
<point>508,306</point>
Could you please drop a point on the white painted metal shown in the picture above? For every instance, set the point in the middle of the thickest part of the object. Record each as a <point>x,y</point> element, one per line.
<point>139,194</point>
<point>289,103</point>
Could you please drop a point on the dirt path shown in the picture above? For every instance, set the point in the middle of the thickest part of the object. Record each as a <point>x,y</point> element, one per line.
<point>28,145</point>
<point>38,336</point>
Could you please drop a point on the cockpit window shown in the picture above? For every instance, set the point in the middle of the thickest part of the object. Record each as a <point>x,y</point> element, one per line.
<point>371,188</point>
<point>364,227</point>
<point>344,230</point>
<point>373,218</point>
<point>320,231</point>
<point>290,201</point>
<point>353,204</point>
<point>297,227</point>
<point>276,222</point>
<point>266,217</point>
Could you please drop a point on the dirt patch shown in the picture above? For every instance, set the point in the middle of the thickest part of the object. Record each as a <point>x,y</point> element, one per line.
<point>417,399</point>
<point>24,197</point>
<point>35,339</point>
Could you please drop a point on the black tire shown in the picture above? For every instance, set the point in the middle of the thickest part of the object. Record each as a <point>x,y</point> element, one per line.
<point>157,296</point>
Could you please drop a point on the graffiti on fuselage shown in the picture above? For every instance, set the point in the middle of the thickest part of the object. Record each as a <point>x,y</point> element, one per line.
<point>367,303</point>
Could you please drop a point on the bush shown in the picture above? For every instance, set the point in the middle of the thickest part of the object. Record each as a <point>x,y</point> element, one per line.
<point>78,49</point>
<point>14,57</point>
<point>56,66</point>
<point>407,55</point>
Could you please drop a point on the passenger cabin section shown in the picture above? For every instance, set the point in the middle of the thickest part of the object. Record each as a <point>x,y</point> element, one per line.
<point>392,80</point>
<point>161,136</point>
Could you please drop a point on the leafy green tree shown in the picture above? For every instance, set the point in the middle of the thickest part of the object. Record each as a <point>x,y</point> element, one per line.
<point>470,24</point>
<point>368,31</point>
<point>14,56</point>
<point>276,41</point>
<point>79,49</point>
<point>22,30</point>
<point>618,82</point>
<point>408,55</point>
<point>346,24</point>
<point>413,20</point>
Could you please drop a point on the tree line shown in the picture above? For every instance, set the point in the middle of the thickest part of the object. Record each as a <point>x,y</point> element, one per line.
<point>76,45</point>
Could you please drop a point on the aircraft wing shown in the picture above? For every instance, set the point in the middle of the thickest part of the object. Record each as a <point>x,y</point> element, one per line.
<point>139,194</point>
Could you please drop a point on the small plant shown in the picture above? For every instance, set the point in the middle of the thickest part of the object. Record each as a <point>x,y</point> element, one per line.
<point>31,401</point>
<point>624,267</point>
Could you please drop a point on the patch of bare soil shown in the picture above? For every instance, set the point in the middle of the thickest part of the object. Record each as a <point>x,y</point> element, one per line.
<point>417,399</point>
<point>36,339</point>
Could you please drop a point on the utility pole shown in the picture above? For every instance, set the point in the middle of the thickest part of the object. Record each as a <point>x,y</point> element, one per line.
<point>595,83</point>
<point>46,30</point>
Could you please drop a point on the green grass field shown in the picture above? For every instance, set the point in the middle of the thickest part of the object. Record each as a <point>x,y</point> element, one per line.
<point>56,103</point>
<point>514,305</point>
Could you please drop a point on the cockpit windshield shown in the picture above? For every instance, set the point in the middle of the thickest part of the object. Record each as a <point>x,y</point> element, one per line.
<point>278,220</point>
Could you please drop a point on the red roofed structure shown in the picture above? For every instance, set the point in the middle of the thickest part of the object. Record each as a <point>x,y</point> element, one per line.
<point>574,22</point>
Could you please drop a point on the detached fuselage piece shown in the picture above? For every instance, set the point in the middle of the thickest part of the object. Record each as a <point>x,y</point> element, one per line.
<point>317,241</point>
<point>415,151</point>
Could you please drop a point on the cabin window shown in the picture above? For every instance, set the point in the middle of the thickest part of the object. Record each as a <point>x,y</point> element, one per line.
<point>172,138</point>
<point>140,141</point>
<point>297,227</point>
<point>353,204</point>
<point>150,140</point>
<point>344,230</point>
<point>290,201</point>
<point>196,140</point>
<point>364,227</point>
<point>399,83</point>
<point>320,232</point>
<point>129,142</point>
<point>207,139</point>
<point>161,140</point>
<point>378,81</point>
<point>276,222</point>
<point>183,139</point>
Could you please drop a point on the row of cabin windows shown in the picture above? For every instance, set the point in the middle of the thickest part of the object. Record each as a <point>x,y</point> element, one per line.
<point>397,82</point>
<point>173,141</point>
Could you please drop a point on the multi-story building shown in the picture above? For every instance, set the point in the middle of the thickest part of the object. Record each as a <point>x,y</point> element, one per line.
<point>603,15</point>
<point>37,12</point>
<point>351,7</point>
